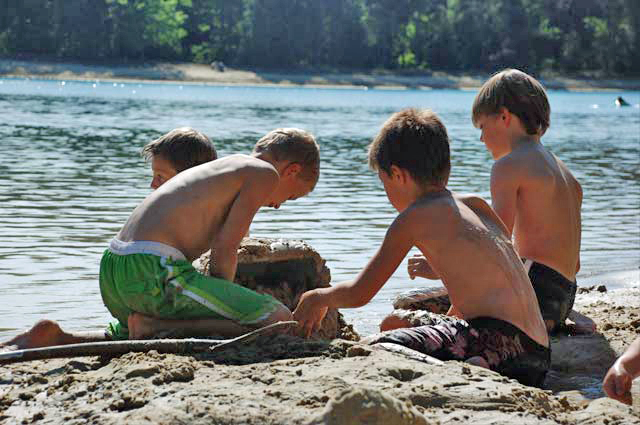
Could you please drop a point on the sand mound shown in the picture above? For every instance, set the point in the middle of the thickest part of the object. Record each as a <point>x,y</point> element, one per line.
<point>285,269</point>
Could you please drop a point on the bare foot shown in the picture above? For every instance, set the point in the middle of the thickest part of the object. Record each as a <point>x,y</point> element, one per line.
<point>580,324</point>
<point>45,333</point>
<point>478,361</point>
<point>394,322</point>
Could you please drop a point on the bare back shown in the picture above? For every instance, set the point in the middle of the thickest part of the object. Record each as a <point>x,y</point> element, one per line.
<point>188,211</point>
<point>546,224</point>
<point>470,250</point>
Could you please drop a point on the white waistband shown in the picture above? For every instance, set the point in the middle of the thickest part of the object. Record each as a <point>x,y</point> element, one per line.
<point>118,247</point>
<point>527,265</point>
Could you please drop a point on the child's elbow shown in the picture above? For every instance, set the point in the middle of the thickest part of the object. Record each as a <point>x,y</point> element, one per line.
<point>360,300</point>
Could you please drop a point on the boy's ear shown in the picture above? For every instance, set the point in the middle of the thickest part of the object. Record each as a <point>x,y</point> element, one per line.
<point>505,117</point>
<point>399,174</point>
<point>292,170</point>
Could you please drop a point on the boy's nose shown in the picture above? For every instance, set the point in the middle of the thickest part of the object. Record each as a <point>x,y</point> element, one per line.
<point>154,184</point>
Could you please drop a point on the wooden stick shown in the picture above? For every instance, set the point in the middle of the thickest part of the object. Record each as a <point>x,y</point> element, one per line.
<point>407,352</point>
<point>175,346</point>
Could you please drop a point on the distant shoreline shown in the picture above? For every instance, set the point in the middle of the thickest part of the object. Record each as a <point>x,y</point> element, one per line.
<point>190,73</point>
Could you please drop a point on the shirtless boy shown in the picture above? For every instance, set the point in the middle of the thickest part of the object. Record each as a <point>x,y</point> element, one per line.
<point>176,151</point>
<point>146,278</point>
<point>497,321</point>
<point>532,191</point>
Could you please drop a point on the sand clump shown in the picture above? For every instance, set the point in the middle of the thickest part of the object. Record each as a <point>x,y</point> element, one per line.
<point>285,269</point>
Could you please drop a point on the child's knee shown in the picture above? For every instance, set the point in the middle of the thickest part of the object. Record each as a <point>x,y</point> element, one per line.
<point>393,321</point>
<point>551,325</point>
<point>281,314</point>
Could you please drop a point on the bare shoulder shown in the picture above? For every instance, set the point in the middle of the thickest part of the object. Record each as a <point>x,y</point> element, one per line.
<point>473,201</point>
<point>573,181</point>
<point>428,216</point>
<point>510,165</point>
<point>482,209</point>
<point>249,167</point>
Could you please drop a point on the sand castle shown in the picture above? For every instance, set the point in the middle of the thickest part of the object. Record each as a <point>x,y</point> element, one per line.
<point>285,269</point>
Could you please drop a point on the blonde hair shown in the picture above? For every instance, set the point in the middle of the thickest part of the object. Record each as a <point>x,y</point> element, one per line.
<point>295,145</point>
<point>183,147</point>
<point>518,92</point>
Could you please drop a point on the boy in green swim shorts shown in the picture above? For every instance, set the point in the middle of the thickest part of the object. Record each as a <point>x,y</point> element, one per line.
<point>170,154</point>
<point>146,278</point>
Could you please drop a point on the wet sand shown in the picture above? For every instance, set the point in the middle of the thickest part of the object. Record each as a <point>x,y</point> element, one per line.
<point>200,73</point>
<point>287,380</point>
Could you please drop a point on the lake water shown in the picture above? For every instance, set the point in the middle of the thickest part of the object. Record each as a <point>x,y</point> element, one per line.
<point>70,174</point>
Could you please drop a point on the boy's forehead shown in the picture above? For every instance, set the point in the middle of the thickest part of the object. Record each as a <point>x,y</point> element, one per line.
<point>480,119</point>
<point>159,162</point>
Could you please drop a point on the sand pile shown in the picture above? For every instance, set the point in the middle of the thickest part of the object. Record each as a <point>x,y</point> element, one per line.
<point>288,380</point>
<point>286,269</point>
<point>284,380</point>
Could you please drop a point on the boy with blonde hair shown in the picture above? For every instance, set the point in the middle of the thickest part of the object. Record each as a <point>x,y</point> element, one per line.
<point>532,191</point>
<point>147,280</point>
<point>176,151</point>
<point>495,320</point>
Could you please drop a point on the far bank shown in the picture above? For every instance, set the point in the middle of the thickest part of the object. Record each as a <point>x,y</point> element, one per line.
<point>201,73</point>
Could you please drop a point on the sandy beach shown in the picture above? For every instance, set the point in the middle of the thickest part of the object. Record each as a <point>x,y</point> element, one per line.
<point>287,380</point>
<point>201,73</point>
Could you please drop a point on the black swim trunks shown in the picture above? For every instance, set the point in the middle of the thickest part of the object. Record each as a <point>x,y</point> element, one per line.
<point>556,294</point>
<point>507,349</point>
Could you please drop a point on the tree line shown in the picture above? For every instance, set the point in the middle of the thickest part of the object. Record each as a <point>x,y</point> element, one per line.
<point>450,35</point>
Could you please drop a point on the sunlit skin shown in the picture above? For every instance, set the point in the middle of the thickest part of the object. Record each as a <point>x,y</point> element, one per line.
<point>448,229</point>
<point>162,170</point>
<point>617,383</point>
<point>211,207</point>
<point>536,196</point>
<point>272,184</point>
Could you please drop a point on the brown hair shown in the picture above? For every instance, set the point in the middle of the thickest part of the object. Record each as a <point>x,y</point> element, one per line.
<point>520,93</point>
<point>415,140</point>
<point>295,145</point>
<point>183,147</point>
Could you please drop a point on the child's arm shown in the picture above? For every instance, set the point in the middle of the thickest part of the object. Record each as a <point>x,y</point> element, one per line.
<point>256,187</point>
<point>453,311</point>
<point>313,304</point>
<point>617,382</point>
<point>504,192</point>
<point>419,266</point>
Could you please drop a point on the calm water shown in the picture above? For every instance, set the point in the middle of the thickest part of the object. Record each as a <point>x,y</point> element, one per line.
<point>70,174</point>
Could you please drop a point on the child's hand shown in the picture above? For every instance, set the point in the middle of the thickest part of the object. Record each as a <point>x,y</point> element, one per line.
<point>310,312</point>
<point>419,266</point>
<point>617,383</point>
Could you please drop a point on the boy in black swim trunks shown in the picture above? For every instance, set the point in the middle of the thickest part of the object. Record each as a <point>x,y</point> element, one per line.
<point>494,318</point>
<point>532,191</point>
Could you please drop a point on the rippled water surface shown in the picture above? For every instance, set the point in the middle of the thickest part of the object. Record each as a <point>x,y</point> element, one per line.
<point>70,174</point>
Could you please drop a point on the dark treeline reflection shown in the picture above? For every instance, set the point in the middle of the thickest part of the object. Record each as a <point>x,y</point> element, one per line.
<point>460,35</point>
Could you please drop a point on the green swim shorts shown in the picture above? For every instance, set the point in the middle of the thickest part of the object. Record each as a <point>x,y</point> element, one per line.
<point>155,279</point>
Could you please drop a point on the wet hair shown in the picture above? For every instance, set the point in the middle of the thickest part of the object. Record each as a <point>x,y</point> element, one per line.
<point>295,145</point>
<point>183,147</point>
<point>520,93</point>
<point>415,140</point>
